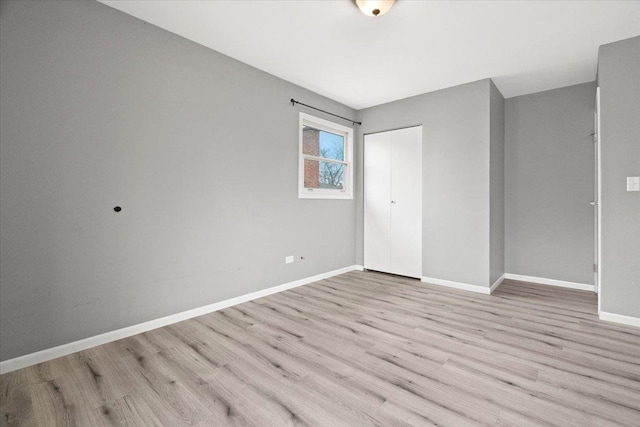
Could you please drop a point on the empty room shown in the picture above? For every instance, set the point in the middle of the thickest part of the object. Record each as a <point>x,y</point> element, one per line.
<point>319,213</point>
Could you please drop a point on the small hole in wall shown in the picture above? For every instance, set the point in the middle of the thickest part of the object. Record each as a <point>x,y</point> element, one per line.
<point>117,209</point>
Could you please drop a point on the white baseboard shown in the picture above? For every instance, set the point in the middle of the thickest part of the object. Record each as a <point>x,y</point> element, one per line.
<point>457,285</point>
<point>620,318</point>
<point>358,267</point>
<point>83,344</point>
<point>497,283</point>
<point>550,282</point>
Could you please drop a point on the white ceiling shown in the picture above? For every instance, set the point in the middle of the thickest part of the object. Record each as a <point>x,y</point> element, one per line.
<point>331,48</point>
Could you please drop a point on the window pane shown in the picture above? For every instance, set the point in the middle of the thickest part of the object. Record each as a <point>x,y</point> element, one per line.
<point>311,174</point>
<point>324,175</point>
<point>320,143</point>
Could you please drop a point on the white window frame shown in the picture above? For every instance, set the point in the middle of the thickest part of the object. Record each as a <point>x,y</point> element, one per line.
<point>327,126</point>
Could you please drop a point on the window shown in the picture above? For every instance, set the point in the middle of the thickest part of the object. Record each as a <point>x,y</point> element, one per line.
<point>326,157</point>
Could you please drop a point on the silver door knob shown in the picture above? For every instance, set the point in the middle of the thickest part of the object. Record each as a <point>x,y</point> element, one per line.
<point>593,203</point>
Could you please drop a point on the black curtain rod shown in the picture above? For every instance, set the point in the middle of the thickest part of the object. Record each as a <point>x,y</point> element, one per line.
<point>294,102</point>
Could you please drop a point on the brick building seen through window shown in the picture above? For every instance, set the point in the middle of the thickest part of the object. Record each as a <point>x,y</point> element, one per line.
<point>326,145</point>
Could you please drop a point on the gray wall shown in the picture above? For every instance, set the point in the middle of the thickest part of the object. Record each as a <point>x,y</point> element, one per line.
<point>549,181</point>
<point>455,183</point>
<point>496,237</point>
<point>619,81</point>
<point>100,109</point>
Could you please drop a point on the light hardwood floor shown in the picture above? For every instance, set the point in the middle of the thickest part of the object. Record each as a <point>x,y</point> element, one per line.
<point>358,349</point>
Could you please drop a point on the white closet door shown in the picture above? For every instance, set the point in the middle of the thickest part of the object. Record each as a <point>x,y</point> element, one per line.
<point>406,202</point>
<point>377,200</point>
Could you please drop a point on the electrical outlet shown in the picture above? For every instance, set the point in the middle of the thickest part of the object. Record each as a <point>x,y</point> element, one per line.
<point>288,259</point>
<point>633,183</point>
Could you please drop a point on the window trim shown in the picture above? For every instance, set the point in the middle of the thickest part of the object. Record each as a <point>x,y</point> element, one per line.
<point>327,126</point>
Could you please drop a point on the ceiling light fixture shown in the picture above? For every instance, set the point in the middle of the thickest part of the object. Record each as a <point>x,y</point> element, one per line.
<point>375,7</point>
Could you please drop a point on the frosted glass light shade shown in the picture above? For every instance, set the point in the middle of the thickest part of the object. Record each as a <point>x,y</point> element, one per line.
<point>375,7</point>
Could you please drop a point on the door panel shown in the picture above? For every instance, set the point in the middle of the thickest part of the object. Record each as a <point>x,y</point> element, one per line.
<point>406,206</point>
<point>377,193</point>
<point>598,210</point>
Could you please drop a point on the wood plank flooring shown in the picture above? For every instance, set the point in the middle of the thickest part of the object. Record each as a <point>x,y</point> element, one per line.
<point>360,349</point>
